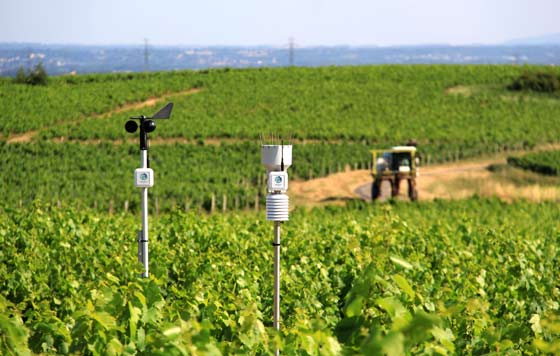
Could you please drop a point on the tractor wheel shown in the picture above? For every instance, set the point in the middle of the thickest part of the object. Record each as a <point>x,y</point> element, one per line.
<point>375,190</point>
<point>412,191</point>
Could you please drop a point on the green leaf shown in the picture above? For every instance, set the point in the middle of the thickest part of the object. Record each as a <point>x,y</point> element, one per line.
<point>354,308</point>
<point>13,336</point>
<point>393,344</point>
<point>172,332</point>
<point>404,286</point>
<point>392,306</point>
<point>535,322</point>
<point>112,278</point>
<point>400,262</point>
<point>104,319</point>
<point>141,339</point>
<point>141,298</point>
<point>114,347</point>
<point>133,319</point>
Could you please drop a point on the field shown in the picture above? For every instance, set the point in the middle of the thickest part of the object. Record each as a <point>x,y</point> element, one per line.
<point>333,115</point>
<point>72,98</point>
<point>101,175</point>
<point>385,104</point>
<point>468,275</point>
<point>541,162</point>
<point>465,277</point>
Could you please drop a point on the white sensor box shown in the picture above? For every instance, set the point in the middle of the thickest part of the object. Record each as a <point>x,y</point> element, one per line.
<point>277,181</point>
<point>143,178</point>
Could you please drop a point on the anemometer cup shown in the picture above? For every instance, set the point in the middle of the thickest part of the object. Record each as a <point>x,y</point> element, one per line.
<point>131,126</point>
<point>149,126</point>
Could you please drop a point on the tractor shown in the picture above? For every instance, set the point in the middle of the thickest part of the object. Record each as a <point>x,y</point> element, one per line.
<point>394,165</point>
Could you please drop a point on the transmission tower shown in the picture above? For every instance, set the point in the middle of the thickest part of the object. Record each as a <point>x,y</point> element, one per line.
<point>29,59</point>
<point>146,55</point>
<point>291,51</point>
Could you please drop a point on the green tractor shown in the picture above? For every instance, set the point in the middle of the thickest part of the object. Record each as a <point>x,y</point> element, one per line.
<point>395,165</point>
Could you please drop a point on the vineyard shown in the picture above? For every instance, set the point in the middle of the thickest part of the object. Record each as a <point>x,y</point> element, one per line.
<point>540,162</point>
<point>333,115</point>
<point>381,104</point>
<point>475,276</point>
<point>100,175</point>
<point>73,98</point>
<point>468,277</point>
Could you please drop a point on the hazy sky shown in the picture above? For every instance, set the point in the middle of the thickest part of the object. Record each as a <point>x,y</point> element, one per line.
<point>253,22</point>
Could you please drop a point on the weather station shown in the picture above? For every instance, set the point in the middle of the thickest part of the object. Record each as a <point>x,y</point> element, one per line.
<point>144,176</point>
<point>277,159</point>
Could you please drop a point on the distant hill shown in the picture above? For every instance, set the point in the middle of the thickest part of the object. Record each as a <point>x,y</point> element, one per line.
<point>549,39</point>
<point>64,59</point>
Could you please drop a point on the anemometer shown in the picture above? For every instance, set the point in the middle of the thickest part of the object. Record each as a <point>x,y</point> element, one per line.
<point>144,176</point>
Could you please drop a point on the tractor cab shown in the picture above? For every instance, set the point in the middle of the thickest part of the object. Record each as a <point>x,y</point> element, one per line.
<point>393,165</point>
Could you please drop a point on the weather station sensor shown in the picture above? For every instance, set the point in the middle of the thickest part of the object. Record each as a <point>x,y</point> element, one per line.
<point>277,182</point>
<point>277,159</point>
<point>144,176</point>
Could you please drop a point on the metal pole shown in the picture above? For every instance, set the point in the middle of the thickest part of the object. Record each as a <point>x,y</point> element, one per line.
<point>276,245</point>
<point>144,241</point>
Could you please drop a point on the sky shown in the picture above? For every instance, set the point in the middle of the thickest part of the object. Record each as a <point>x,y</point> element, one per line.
<point>262,22</point>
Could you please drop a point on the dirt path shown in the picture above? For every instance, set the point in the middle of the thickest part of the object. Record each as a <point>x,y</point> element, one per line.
<point>152,101</point>
<point>447,181</point>
<point>333,189</point>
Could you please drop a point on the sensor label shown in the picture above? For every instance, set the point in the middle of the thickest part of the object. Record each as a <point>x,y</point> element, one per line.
<point>277,181</point>
<point>143,178</point>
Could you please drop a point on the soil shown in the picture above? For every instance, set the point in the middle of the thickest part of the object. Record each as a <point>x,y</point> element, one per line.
<point>447,181</point>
